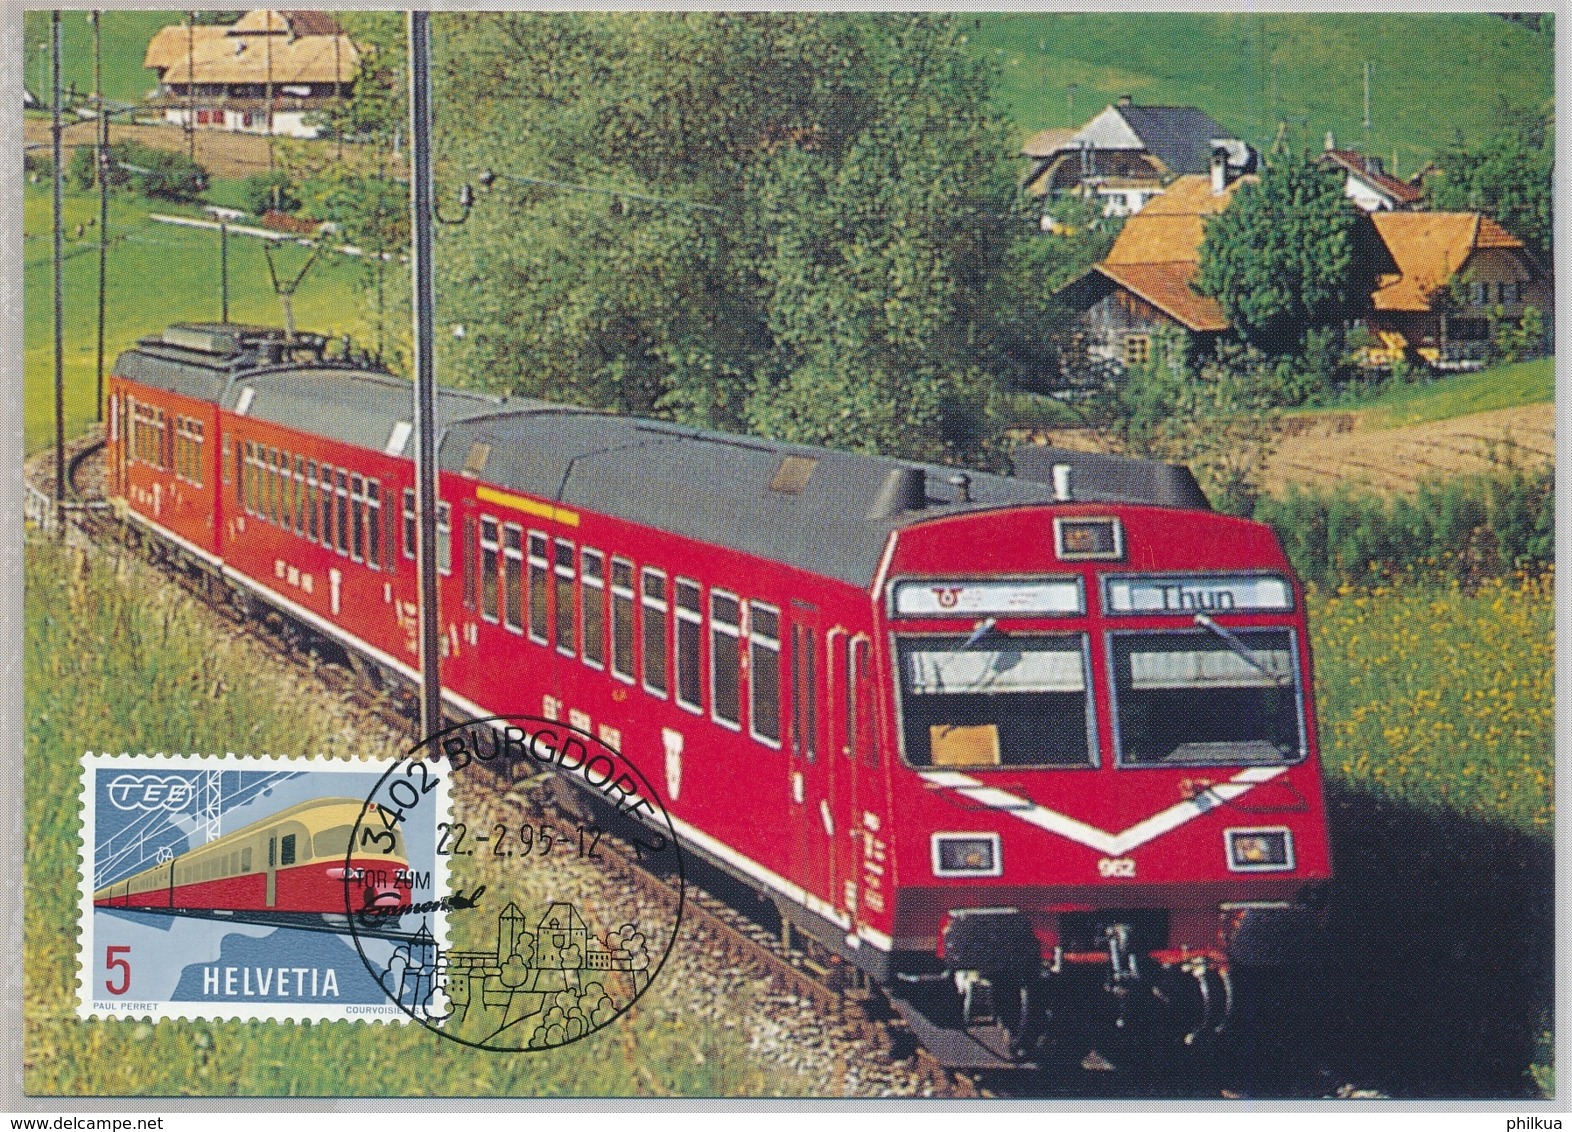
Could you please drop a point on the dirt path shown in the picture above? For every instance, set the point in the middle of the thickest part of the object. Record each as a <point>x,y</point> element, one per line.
<point>1330,449</point>
<point>222,153</point>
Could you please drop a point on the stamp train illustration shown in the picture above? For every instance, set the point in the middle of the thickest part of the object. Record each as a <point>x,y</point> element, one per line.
<point>1035,752</point>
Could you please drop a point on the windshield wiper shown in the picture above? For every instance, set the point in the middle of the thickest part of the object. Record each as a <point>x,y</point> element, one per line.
<point>1242,650</point>
<point>979,631</point>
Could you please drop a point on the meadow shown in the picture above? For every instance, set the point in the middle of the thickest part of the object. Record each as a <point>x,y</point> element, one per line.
<point>1431,75</point>
<point>1499,387</point>
<point>156,274</point>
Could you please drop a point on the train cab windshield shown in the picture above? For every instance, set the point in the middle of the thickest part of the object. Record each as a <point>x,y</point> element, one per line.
<point>993,700</point>
<point>1206,698</point>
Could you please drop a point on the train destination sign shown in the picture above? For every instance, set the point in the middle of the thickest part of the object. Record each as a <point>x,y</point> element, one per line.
<point>1245,593</point>
<point>929,598</point>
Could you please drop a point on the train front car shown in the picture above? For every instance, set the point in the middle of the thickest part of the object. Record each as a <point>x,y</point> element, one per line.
<point>1108,800</point>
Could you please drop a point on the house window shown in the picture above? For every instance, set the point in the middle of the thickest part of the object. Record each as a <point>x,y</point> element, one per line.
<point>1479,294</point>
<point>1137,350</point>
<point>1510,292</point>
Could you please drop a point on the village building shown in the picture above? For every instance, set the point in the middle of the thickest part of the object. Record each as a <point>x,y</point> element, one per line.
<point>1128,154</point>
<point>1444,281</point>
<point>1367,182</point>
<point>1457,276</point>
<point>265,73</point>
<point>1145,284</point>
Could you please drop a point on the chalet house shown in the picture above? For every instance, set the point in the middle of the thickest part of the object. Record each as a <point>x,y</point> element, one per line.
<point>1144,285</point>
<point>263,74</point>
<point>1369,185</point>
<point>1444,280</point>
<point>1128,154</point>
<point>1457,275</point>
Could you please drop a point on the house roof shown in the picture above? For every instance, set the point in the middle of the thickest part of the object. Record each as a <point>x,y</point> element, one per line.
<point>1429,248</point>
<point>1167,286</point>
<point>1158,251</point>
<point>294,51</point>
<point>1181,138</point>
<point>1169,229</point>
<point>1046,143</point>
<point>1369,170</point>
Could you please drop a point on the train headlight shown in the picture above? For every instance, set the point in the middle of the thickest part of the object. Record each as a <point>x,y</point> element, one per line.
<point>1260,850</point>
<point>966,855</point>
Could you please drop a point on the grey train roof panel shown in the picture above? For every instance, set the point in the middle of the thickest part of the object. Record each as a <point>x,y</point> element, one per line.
<point>359,407</point>
<point>1095,475</point>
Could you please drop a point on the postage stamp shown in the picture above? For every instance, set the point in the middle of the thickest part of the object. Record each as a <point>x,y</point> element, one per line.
<point>225,887</point>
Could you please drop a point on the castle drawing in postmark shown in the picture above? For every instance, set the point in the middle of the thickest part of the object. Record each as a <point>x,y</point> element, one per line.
<point>225,887</point>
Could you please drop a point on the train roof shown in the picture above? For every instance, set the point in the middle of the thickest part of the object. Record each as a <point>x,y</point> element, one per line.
<point>822,510</point>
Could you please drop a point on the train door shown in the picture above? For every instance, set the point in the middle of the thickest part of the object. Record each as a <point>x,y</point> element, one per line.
<point>272,870</point>
<point>855,763</point>
<point>812,802</point>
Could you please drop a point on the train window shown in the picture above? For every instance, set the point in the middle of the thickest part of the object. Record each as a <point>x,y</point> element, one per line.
<point>302,496</point>
<point>265,461</point>
<point>592,570</point>
<point>188,450</point>
<point>622,619</point>
<point>325,484</point>
<point>272,852</point>
<point>374,523</point>
<point>444,538</point>
<point>469,561</point>
<point>567,632</point>
<point>764,673</point>
<point>1012,699</point>
<point>286,849</point>
<point>332,843</point>
<point>725,659</point>
<point>655,632</point>
<point>1198,698</point>
<point>245,859</point>
<point>357,518</point>
<point>341,510</point>
<point>409,522</point>
<point>537,587</point>
<point>490,546</point>
<point>861,682</point>
<point>690,634</point>
<point>804,693</point>
<point>248,479</point>
<point>513,576</point>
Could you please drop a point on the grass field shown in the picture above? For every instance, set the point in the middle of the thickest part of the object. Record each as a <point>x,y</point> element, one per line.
<point>1500,387</point>
<point>1431,74</point>
<point>157,274</point>
<point>125,34</point>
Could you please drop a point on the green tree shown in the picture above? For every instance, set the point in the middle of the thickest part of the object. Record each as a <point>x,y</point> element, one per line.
<point>1509,176</point>
<point>1286,256</point>
<point>801,231</point>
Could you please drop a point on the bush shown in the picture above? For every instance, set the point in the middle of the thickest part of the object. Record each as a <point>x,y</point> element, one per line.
<point>1472,527</point>
<point>162,173</point>
<point>274,191</point>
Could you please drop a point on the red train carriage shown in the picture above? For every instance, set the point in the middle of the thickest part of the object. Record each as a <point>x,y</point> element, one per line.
<point>293,864</point>
<point>1036,751</point>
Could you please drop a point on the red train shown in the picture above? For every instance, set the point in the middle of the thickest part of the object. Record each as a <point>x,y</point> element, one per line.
<point>1037,752</point>
<point>294,865</point>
